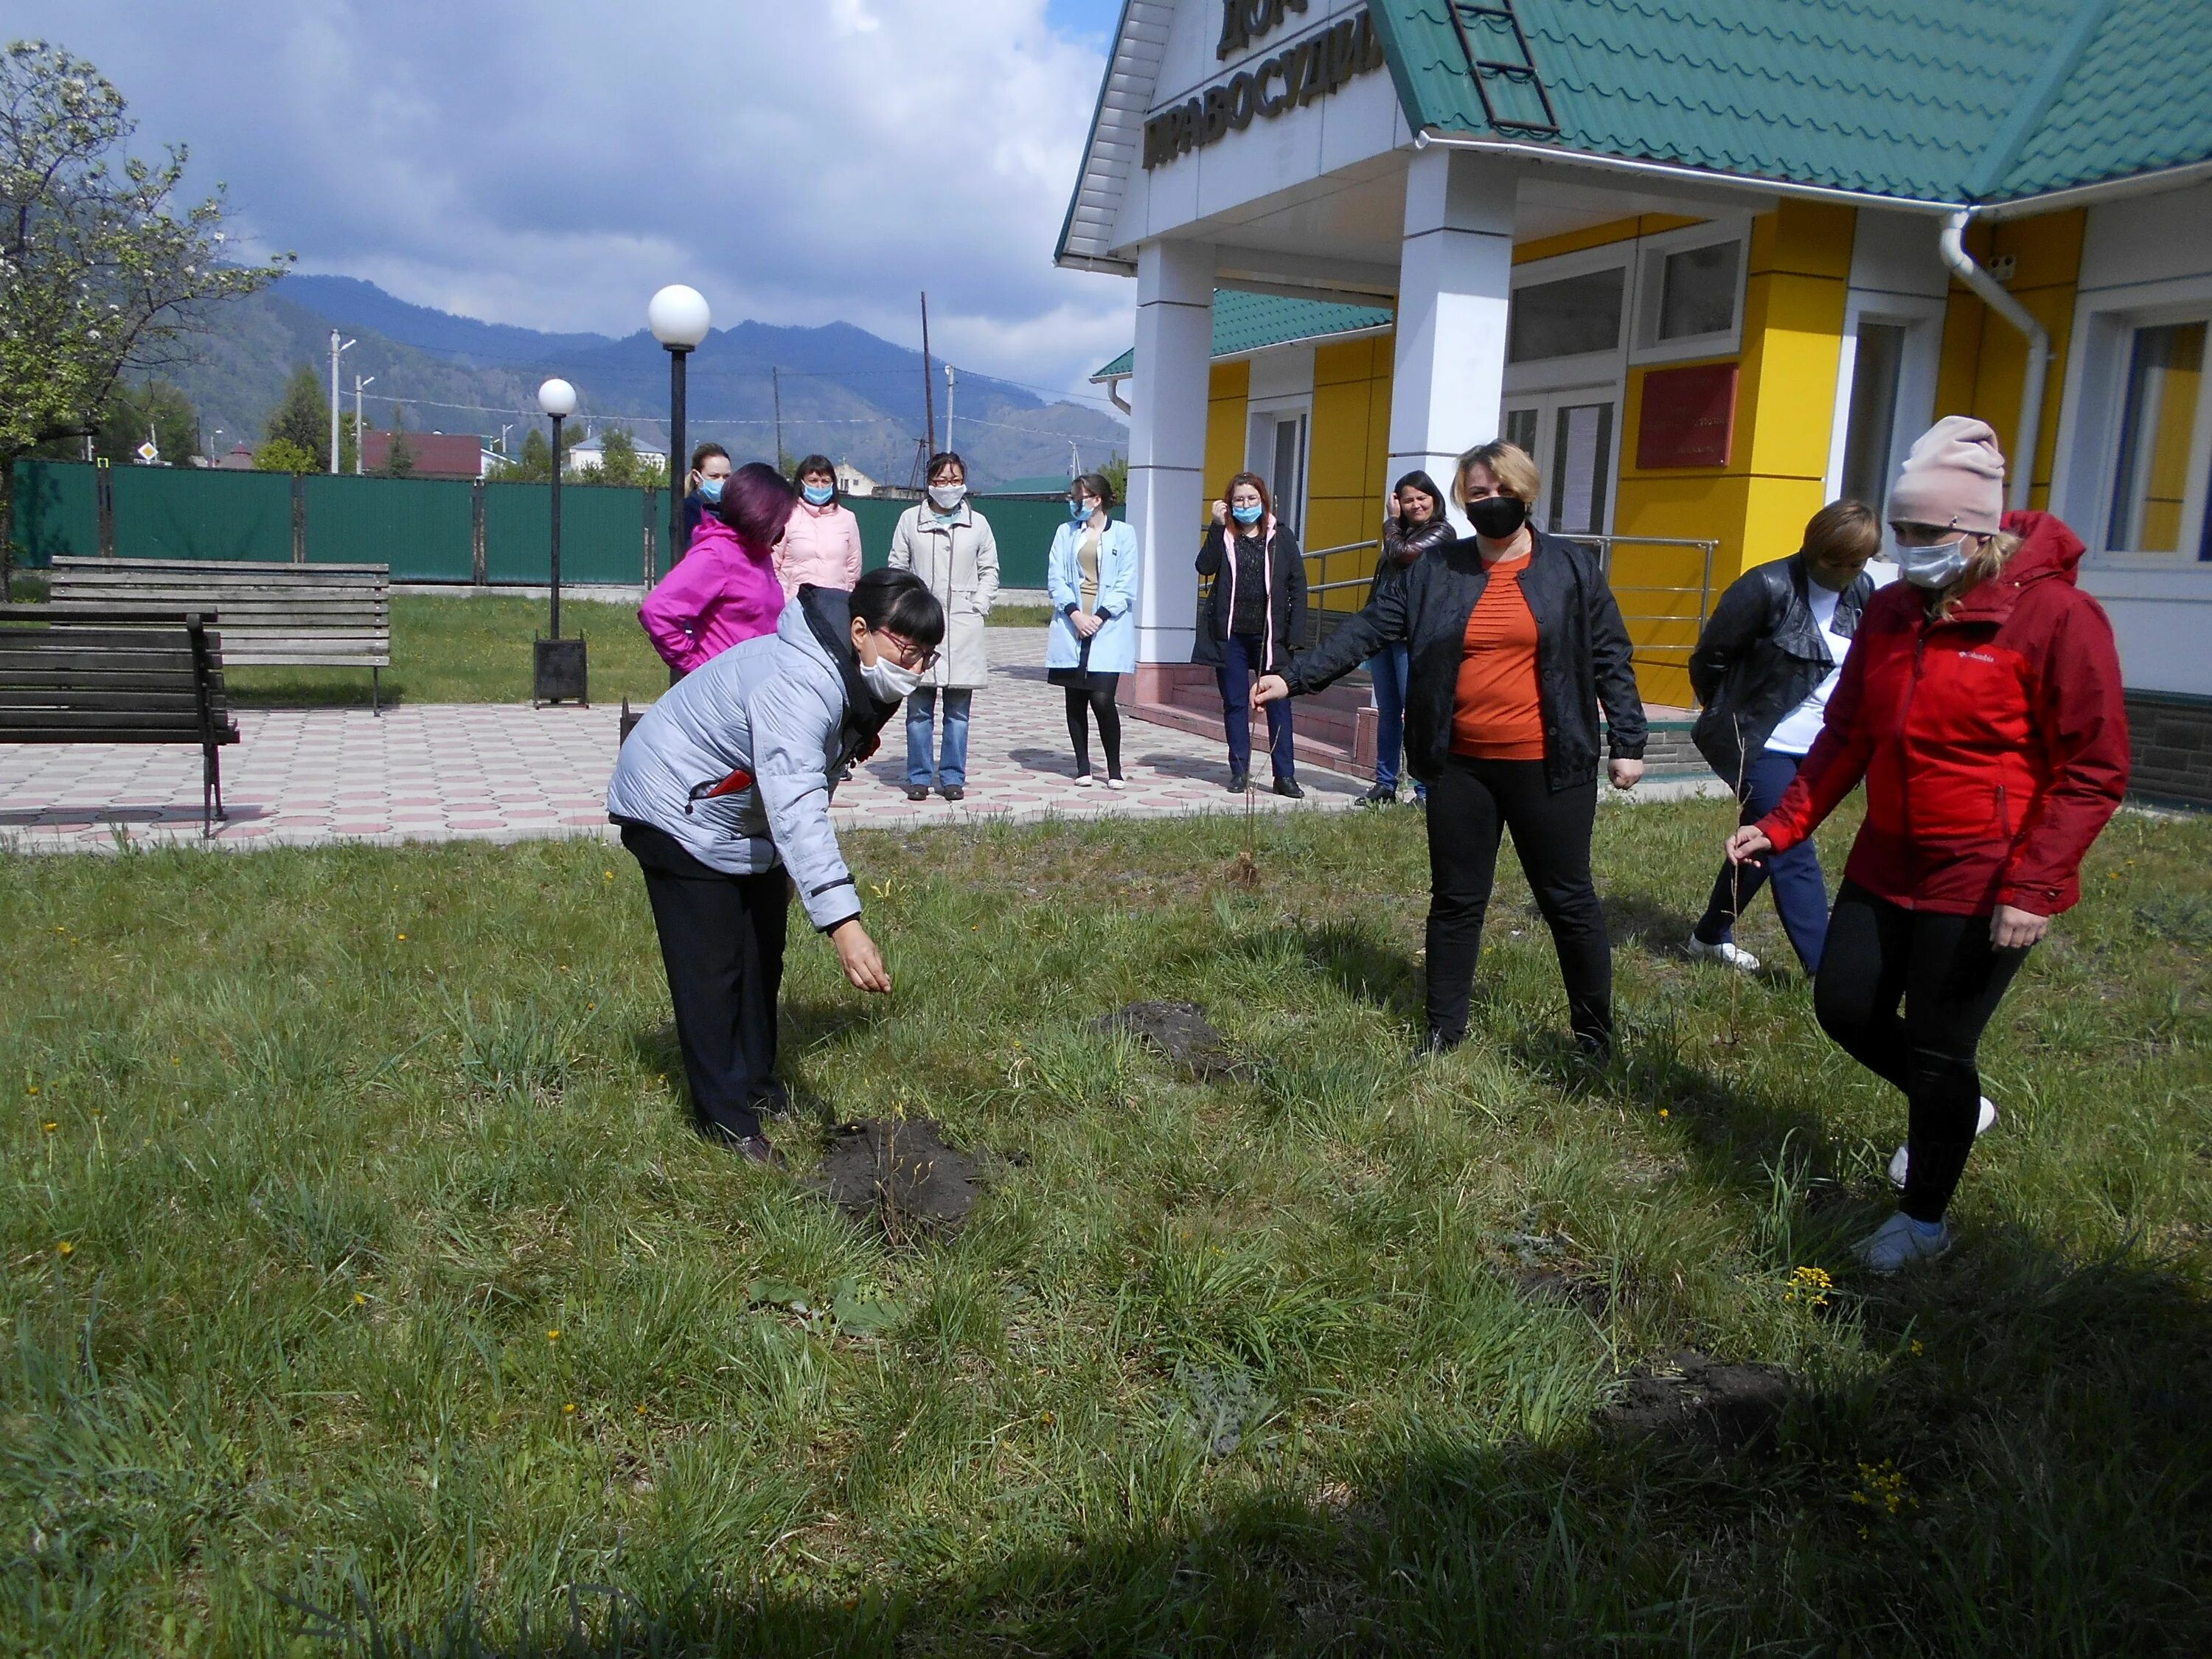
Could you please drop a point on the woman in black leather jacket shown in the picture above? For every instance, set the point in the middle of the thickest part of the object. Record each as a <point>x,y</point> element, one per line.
<point>1416,526</point>
<point>1765,664</point>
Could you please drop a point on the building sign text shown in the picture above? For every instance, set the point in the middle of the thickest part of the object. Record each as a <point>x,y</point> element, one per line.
<point>1243,22</point>
<point>1299,74</point>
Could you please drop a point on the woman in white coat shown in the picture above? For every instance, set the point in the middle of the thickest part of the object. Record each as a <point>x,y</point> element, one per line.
<point>1092,575</point>
<point>949,544</point>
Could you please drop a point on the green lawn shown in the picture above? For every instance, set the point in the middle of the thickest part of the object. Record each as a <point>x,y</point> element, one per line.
<point>364,1288</point>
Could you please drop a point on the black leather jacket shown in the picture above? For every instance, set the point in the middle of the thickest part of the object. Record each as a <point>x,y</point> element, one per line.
<point>1759,655</point>
<point>1402,547</point>
<point>1582,654</point>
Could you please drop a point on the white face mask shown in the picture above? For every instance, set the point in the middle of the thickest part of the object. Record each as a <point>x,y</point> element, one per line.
<point>889,681</point>
<point>1938,565</point>
<point>946,498</point>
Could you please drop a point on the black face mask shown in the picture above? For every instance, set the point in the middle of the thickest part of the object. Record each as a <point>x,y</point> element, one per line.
<point>1497,517</point>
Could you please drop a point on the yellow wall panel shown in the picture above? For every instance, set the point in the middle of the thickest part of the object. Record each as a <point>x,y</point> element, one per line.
<point>1338,438</point>
<point>1227,403</point>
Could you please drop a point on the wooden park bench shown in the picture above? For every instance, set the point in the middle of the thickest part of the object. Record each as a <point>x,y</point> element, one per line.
<point>312,616</point>
<point>117,674</point>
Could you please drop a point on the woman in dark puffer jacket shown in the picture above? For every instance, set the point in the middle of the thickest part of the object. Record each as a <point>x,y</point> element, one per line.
<point>1981,703</point>
<point>1416,526</point>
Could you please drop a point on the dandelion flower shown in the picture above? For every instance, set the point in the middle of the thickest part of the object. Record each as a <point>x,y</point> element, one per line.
<point>34,1088</point>
<point>569,1410</point>
<point>1663,1111</point>
<point>65,1248</point>
<point>609,874</point>
<point>50,1126</point>
<point>403,938</point>
<point>553,1335</point>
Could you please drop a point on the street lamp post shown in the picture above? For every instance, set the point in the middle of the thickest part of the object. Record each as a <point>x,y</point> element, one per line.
<point>679,319</point>
<point>558,663</point>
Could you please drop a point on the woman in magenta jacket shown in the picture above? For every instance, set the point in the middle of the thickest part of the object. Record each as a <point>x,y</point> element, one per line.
<point>723,592</point>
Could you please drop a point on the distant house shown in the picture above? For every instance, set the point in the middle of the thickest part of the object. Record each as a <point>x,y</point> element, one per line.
<point>589,455</point>
<point>437,454</point>
<point>851,481</point>
<point>237,459</point>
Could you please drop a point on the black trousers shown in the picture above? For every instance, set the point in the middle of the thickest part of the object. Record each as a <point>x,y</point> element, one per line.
<point>1470,804</point>
<point>1950,979</point>
<point>721,943</point>
<point>1083,704</point>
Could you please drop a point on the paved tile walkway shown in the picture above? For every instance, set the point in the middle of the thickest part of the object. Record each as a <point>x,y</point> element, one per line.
<point>498,772</point>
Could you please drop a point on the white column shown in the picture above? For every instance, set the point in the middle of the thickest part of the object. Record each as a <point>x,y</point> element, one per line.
<point>1167,440</point>
<point>1455,281</point>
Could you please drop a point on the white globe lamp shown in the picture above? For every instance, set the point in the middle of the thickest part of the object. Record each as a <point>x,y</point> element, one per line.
<point>678,317</point>
<point>557,399</point>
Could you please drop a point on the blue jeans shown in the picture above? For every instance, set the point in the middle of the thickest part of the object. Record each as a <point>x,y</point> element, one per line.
<point>1801,893</point>
<point>1242,656</point>
<point>920,728</point>
<point>1389,668</point>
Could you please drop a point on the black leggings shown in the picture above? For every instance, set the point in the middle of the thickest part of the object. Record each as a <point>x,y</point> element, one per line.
<point>1470,803</point>
<point>1099,701</point>
<point>1950,979</point>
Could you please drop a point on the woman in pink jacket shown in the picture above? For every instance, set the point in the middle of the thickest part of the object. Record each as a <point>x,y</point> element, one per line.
<point>822,543</point>
<point>723,591</point>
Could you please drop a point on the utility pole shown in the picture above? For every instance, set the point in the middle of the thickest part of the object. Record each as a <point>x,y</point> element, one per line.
<point>775,383</point>
<point>1075,461</point>
<point>360,432</point>
<point>928,383</point>
<point>952,384</point>
<point>335,348</point>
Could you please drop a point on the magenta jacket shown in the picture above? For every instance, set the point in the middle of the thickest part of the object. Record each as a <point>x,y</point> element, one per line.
<point>821,545</point>
<point>721,593</point>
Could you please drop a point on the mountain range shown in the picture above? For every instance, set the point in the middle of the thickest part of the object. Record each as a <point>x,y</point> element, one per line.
<point>845,392</point>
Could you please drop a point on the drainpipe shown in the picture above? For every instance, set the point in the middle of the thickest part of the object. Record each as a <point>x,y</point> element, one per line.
<point>1114,392</point>
<point>1993,294</point>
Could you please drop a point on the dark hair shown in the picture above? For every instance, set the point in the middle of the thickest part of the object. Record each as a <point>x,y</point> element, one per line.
<point>1843,529</point>
<point>815,463</point>
<point>1093,484</point>
<point>1421,481</point>
<point>756,503</point>
<point>940,461</point>
<point>706,452</point>
<point>899,602</point>
<point>1267,500</point>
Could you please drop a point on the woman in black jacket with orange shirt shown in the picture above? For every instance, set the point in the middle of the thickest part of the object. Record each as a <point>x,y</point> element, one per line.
<point>1515,641</point>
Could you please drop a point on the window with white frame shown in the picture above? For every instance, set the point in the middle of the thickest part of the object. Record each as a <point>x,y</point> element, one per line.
<point>1689,294</point>
<point>1276,450</point>
<point>1567,316</point>
<point>2156,483</point>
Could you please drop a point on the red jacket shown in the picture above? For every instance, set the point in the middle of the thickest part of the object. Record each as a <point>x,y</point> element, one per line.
<point>1994,742</point>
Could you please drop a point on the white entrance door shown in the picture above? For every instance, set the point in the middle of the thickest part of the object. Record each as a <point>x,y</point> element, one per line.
<point>1572,434</point>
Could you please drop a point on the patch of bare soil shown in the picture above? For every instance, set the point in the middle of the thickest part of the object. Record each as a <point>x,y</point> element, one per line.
<point>1557,1288</point>
<point>900,1173</point>
<point>1731,1407</point>
<point>1181,1033</point>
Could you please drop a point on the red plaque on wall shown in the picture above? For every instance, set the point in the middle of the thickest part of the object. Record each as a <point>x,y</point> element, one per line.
<point>1688,418</point>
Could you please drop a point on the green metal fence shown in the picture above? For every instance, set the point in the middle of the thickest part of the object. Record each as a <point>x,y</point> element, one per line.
<point>176,512</point>
<point>427,530</point>
<point>424,528</point>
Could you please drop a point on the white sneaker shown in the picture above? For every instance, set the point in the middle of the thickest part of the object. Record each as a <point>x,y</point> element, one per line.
<point>1082,779</point>
<point>1116,783</point>
<point>1727,951</point>
<point>1898,1242</point>
<point>1900,1164</point>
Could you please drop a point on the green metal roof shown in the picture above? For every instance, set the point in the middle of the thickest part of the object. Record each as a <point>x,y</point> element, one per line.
<point>1944,101</point>
<point>1252,322</point>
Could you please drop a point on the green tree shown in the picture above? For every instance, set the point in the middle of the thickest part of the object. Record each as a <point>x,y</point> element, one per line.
<point>303,417</point>
<point>534,465</point>
<point>399,455</point>
<point>102,269</point>
<point>620,463</point>
<point>283,455</point>
<point>135,412</point>
<point>1116,473</point>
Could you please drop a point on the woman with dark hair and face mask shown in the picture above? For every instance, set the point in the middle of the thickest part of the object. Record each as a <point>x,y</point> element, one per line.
<point>822,542</point>
<point>723,796</point>
<point>1515,641</point>
<point>1416,525</point>
<point>710,473</point>
<point>1981,703</point>
<point>949,544</point>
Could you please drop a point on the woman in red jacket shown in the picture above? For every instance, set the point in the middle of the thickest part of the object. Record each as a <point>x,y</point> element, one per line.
<point>1981,703</point>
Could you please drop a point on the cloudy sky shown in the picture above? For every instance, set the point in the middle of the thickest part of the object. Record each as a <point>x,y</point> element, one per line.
<point>550,164</point>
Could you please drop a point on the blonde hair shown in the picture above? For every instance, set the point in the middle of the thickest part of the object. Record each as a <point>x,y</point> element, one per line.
<point>1510,465</point>
<point>1992,557</point>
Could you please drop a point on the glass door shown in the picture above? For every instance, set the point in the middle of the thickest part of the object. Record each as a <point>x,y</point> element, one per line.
<point>1571,435</point>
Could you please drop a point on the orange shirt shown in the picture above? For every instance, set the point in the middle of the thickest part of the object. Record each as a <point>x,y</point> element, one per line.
<point>1497,713</point>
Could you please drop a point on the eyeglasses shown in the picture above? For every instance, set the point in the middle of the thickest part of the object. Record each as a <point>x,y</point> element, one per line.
<point>908,651</point>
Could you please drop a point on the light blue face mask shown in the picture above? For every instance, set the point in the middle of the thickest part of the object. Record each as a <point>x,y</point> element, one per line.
<point>710,490</point>
<point>1080,511</point>
<point>1246,514</point>
<point>820,494</point>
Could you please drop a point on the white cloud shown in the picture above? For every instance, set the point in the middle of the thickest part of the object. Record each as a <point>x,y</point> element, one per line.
<point>551,165</point>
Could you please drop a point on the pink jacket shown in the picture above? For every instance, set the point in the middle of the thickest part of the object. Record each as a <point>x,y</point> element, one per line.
<point>822,545</point>
<point>720,593</point>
